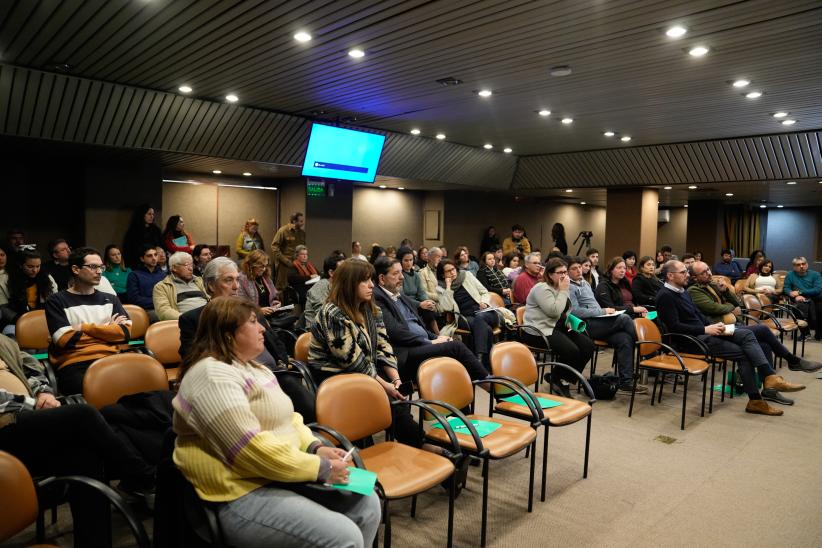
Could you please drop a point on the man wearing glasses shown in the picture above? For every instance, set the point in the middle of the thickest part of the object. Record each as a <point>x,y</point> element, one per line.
<point>804,287</point>
<point>680,315</point>
<point>85,324</point>
<point>530,276</point>
<point>180,291</point>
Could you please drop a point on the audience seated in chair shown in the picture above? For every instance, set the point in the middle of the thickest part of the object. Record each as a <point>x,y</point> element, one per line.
<point>529,277</point>
<point>726,266</point>
<point>594,274</point>
<point>646,284</point>
<point>7,313</point>
<point>413,287</point>
<point>617,331</point>
<point>28,287</point>
<point>428,274</point>
<point>804,288</point>
<point>754,262</point>
<point>58,268</point>
<point>221,279</point>
<point>256,284</point>
<point>318,293</point>
<point>237,434</point>
<point>630,266</point>
<point>462,259</point>
<point>141,281</point>
<point>85,324</point>
<point>763,281</point>
<point>116,272</point>
<point>492,277</point>
<point>516,242</point>
<point>201,255</point>
<point>411,341</point>
<point>301,273</point>
<point>614,291</point>
<point>679,314</point>
<point>180,291</point>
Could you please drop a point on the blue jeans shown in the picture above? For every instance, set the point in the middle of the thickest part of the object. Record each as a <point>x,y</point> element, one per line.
<point>272,516</point>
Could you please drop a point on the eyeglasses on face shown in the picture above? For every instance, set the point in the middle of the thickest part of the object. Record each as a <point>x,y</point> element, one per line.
<point>95,267</point>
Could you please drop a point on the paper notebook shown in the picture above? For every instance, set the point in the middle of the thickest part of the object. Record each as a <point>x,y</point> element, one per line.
<point>483,428</point>
<point>545,403</point>
<point>359,481</point>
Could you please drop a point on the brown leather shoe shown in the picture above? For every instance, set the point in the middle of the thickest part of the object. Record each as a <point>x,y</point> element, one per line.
<point>778,383</point>
<point>761,407</point>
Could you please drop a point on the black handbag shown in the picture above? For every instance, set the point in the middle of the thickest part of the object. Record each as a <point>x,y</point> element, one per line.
<point>604,386</point>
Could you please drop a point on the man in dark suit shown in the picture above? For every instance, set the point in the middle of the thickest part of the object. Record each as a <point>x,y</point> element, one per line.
<point>221,279</point>
<point>411,341</point>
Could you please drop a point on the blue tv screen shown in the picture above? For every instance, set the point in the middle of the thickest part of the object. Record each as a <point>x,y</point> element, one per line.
<point>339,153</point>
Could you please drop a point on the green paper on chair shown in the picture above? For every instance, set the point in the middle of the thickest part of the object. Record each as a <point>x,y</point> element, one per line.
<point>651,315</point>
<point>360,481</point>
<point>545,403</point>
<point>483,428</point>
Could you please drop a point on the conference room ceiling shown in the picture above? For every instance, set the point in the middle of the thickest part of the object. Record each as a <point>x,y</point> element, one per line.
<point>627,76</point>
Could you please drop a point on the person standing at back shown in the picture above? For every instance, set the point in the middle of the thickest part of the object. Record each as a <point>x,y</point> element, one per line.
<point>517,241</point>
<point>284,245</point>
<point>558,235</point>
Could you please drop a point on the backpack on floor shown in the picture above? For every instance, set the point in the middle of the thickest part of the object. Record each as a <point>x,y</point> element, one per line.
<point>604,386</point>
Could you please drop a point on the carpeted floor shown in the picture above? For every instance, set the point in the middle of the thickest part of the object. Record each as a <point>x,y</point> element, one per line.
<point>730,479</point>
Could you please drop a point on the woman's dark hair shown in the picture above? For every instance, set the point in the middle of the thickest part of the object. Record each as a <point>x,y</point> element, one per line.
<point>344,284</point>
<point>330,264</point>
<point>506,259</point>
<point>557,232</point>
<point>488,230</point>
<point>221,318</point>
<point>644,259</point>
<point>109,264</point>
<point>403,251</point>
<point>757,252</point>
<point>763,263</point>
<point>628,254</point>
<point>459,251</point>
<point>138,218</point>
<point>441,268</point>
<point>612,264</point>
<point>197,250</point>
<point>483,256</point>
<point>552,264</point>
<point>18,281</point>
<point>171,227</point>
<point>376,251</point>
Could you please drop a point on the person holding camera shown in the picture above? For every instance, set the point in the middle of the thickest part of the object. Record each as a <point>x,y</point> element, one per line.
<point>516,242</point>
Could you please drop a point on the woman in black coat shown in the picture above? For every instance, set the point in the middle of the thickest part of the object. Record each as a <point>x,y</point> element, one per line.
<point>646,284</point>
<point>614,291</point>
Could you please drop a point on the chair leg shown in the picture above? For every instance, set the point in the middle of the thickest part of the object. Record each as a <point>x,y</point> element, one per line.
<point>656,383</point>
<point>41,527</point>
<point>587,446</point>
<point>451,493</point>
<point>713,380</point>
<point>633,394</point>
<point>676,380</point>
<point>484,501</point>
<point>544,462</point>
<point>704,387</point>
<point>387,520</point>
<point>662,387</point>
<point>724,379</point>
<point>531,476</point>
<point>414,506</point>
<point>684,401</point>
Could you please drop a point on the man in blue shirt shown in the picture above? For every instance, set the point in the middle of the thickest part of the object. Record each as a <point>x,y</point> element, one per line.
<point>804,287</point>
<point>411,341</point>
<point>727,267</point>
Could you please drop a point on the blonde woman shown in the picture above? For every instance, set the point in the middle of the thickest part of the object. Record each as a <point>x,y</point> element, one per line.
<point>249,239</point>
<point>256,284</point>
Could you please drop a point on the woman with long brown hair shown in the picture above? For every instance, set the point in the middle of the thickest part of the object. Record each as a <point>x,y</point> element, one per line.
<point>255,282</point>
<point>237,432</point>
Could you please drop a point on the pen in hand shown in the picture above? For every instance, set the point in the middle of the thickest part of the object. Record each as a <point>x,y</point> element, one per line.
<point>348,454</point>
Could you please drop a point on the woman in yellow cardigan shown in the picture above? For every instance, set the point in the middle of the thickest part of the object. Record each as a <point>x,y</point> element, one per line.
<point>249,239</point>
<point>237,432</point>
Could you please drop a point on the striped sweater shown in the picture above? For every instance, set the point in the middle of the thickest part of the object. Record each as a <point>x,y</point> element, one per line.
<point>97,336</point>
<point>237,431</point>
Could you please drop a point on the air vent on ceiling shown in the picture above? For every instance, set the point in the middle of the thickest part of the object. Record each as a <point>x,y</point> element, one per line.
<point>449,81</point>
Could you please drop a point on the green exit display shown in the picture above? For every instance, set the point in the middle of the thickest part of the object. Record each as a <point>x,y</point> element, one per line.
<point>315,189</point>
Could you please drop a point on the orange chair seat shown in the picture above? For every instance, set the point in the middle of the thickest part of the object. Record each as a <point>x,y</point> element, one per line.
<point>403,470</point>
<point>569,412</point>
<point>670,363</point>
<point>500,443</point>
<point>171,373</point>
<point>601,343</point>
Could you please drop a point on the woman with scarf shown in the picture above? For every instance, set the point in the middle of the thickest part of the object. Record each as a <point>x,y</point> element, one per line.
<point>462,295</point>
<point>302,274</point>
<point>255,282</point>
<point>492,278</point>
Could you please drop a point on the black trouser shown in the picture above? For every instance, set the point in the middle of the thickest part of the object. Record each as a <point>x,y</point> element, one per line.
<point>768,342</point>
<point>74,440</point>
<point>572,348</point>
<point>812,310</point>
<point>743,347</point>
<point>70,377</point>
<point>620,333</point>
<point>482,330</point>
<point>452,349</point>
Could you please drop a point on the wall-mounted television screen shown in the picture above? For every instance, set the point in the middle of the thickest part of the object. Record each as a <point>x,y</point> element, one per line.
<point>339,153</point>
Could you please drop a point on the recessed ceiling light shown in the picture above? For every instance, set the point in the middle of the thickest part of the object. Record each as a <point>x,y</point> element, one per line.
<point>440,136</point>
<point>741,83</point>
<point>485,93</point>
<point>356,53</point>
<point>625,138</point>
<point>383,186</point>
<point>216,171</point>
<point>302,36</point>
<point>569,190</point>
<point>508,150</point>
<point>692,187</point>
<point>582,203</point>
<point>487,146</point>
<point>247,173</point>
<point>791,183</point>
<point>698,51</point>
<point>415,131</point>
<point>567,120</point>
<point>400,188</point>
<point>185,89</point>
<point>780,114</point>
<point>788,122</point>
<point>676,31</point>
<point>763,206</point>
<point>753,94</point>
<point>686,205</point>
<point>560,70</point>
<point>231,98</point>
<point>780,206</point>
<point>729,194</point>
<point>544,112</point>
<point>666,188</point>
<point>609,133</point>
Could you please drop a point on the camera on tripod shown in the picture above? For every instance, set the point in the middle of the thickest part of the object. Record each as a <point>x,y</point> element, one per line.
<point>586,236</point>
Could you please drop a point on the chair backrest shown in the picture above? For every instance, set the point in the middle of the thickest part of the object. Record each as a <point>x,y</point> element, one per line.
<point>646,330</point>
<point>163,339</point>
<point>513,359</point>
<point>716,277</point>
<point>521,315</point>
<point>139,320</point>
<point>739,286</point>
<point>301,347</point>
<point>20,510</point>
<point>780,273</point>
<point>496,300</point>
<point>32,331</point>
<point>353,404</point>
<point>753,304</point>
<point>764,299</point>
<point>109,379</point>
<point>445,379</point>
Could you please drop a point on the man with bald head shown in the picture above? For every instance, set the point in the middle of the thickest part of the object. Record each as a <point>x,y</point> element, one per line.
<point>680,315</point>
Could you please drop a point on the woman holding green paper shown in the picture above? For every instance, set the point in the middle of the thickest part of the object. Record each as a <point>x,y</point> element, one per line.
<point>546,309</point>
<point>175,238</point>
<point>237,433</point>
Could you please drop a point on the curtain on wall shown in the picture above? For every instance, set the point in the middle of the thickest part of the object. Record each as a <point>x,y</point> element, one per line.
<point>743,230</point>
